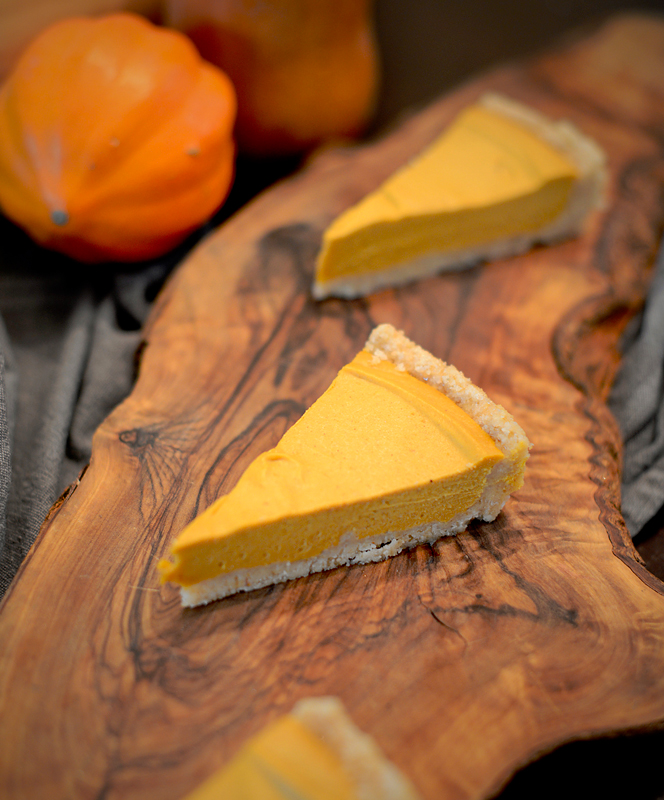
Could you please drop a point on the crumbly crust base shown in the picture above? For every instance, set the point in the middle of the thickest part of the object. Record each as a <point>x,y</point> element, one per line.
<point>385,342</point>
<point>586,196</point>
<point>351,551</point>
<point>373,775</point>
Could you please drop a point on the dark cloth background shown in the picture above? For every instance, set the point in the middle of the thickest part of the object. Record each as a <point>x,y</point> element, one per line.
<point>637,402</point>
<point>68,335</point>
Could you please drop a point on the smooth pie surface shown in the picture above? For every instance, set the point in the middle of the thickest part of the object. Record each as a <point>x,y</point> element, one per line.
<point>486,178</point>
<point>380,451</point>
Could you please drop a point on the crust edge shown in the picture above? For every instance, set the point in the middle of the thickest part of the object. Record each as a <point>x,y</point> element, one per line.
<point>373,774</point>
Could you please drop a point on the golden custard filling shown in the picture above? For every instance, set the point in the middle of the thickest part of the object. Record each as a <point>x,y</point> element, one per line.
<point>485,179</point>
<point>380,451</point>
<point>283,762</point>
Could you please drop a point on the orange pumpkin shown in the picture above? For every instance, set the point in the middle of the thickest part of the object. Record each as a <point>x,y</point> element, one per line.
<point>115,138</point>
<point>305,71</point>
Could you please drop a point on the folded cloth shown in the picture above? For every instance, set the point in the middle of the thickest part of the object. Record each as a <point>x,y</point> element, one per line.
<point>6,427</point>
<point>66,360</point>
<point>637,402</point>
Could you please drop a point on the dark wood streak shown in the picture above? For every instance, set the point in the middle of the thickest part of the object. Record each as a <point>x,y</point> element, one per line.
<point>264,432</point>
<point>548,611</point>
<point>298,243</point>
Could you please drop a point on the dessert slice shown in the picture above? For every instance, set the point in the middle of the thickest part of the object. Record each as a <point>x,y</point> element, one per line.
<point>314,753</point>
<point>500,179</point>
<point>401,449</point>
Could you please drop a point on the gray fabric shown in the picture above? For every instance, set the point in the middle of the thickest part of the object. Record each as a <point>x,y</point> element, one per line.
<point>637,402</point>
<point>40,481</point>
<point>5,452</point>
<point>66,360</point>
<point>8,384</point>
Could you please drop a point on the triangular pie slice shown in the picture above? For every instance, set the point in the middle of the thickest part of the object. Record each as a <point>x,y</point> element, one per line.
<point>401,449</point>
<point>316,752</point>
<point>499,180</point>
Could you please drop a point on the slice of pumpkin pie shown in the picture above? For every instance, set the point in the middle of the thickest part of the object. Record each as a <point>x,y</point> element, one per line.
<point>316,752</point>
<point>401,449</point>
<point>500,179</point>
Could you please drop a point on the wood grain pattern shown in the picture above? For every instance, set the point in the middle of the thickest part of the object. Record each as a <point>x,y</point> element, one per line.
<point>464,659</point>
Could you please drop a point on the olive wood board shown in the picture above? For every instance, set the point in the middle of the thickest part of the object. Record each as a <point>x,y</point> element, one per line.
<point>465,659</point>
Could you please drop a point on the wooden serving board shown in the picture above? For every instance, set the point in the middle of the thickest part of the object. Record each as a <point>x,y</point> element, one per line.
<point>465,659</point>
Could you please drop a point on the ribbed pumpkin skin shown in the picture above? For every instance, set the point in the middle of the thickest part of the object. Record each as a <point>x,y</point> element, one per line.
<point>305,71</point>
<point>115,139</point>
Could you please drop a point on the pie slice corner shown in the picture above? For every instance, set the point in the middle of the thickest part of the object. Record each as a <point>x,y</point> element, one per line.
<point>315,752</point>
<point>500,179</point>
<point>401,449</point>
